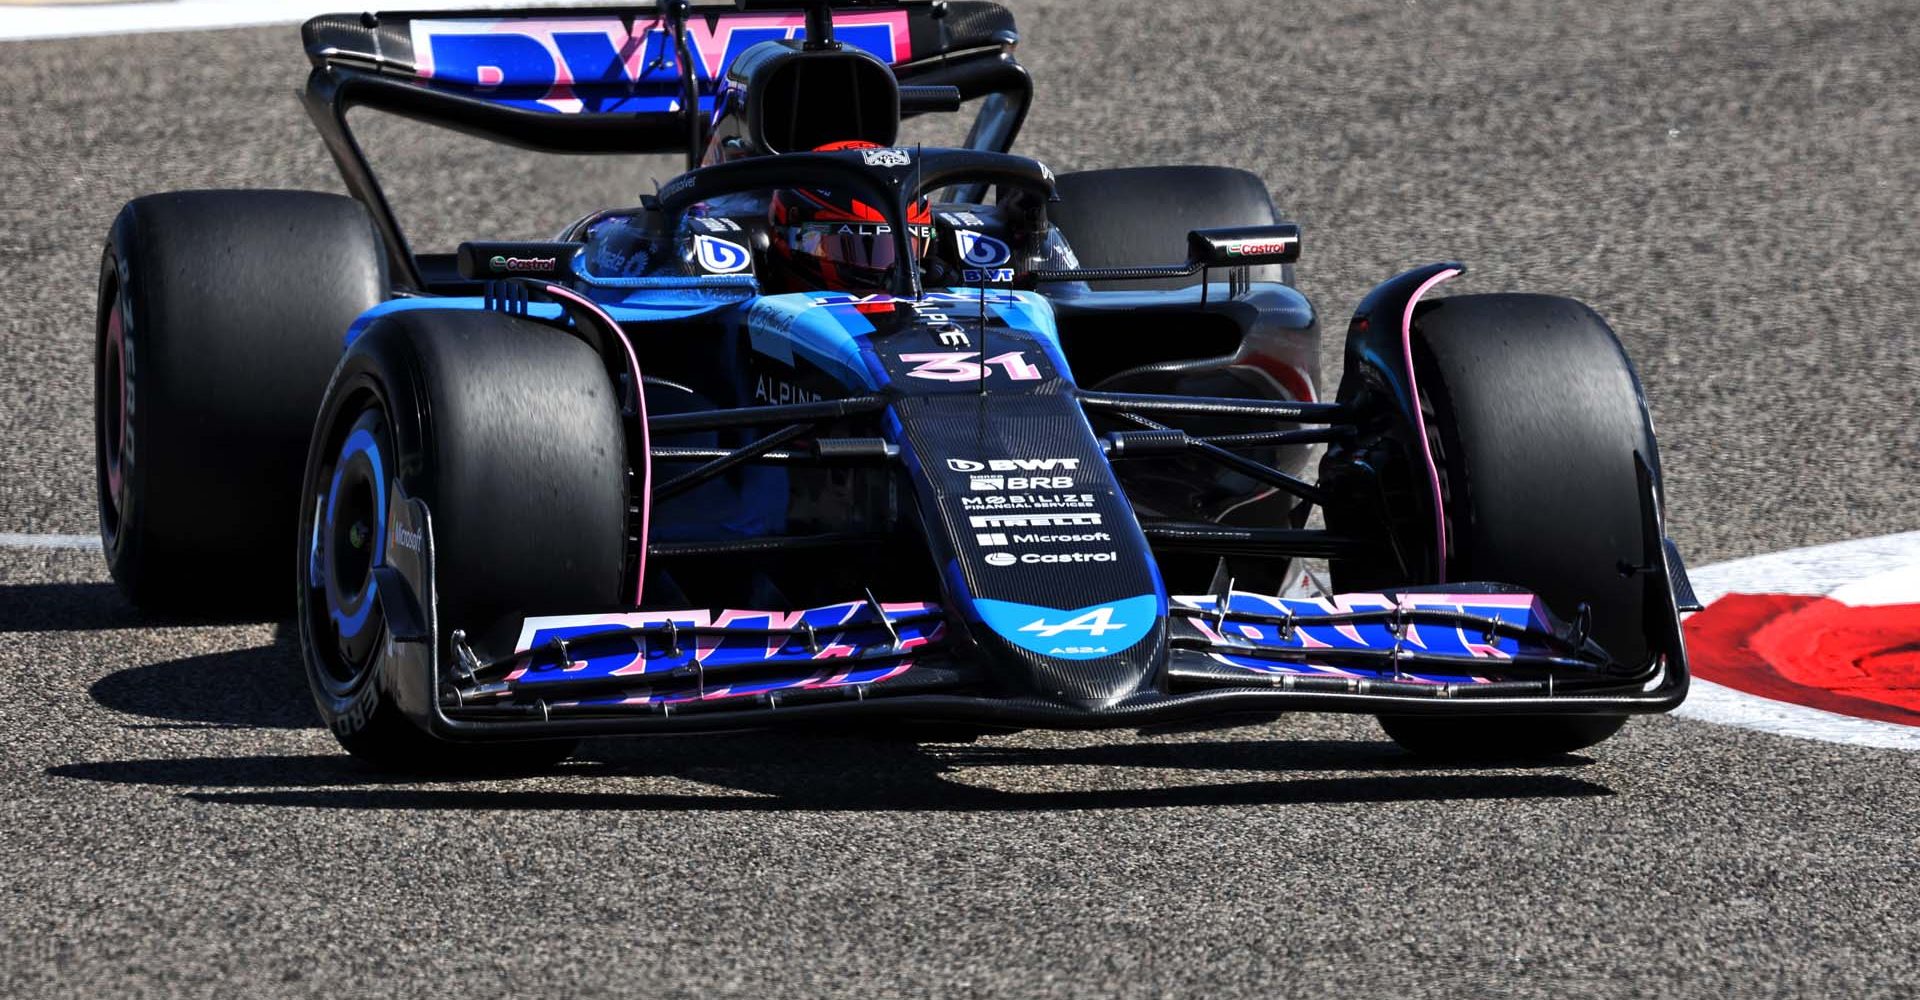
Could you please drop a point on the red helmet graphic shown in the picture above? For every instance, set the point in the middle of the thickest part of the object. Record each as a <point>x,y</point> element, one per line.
<point>823,241</point>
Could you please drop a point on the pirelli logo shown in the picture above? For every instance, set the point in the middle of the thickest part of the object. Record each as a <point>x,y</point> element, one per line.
<point>1035,520</point>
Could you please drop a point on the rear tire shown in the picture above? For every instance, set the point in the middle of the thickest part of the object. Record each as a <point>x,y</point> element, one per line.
<point>1535,418</point>
<point>220,317</point>
<point>509,431</point>
<point>1141,215</point>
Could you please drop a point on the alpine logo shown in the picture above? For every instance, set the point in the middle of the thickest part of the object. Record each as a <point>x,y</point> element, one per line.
<point>1077,633</point>
<point>1096,623</point>
<point>717,256</point>
<point>970,298</point>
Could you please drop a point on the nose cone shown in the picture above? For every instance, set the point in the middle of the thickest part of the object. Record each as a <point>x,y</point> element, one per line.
<point>1088,657</point>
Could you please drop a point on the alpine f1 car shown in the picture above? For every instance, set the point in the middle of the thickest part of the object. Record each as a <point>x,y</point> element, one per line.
<point>835,431</point>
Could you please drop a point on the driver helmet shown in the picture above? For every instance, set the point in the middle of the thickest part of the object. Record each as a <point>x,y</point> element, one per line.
<point>823,241</point>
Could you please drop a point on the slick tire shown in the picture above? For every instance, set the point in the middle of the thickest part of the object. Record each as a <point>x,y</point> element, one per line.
<point>1141,215</point>
<point>220,316</point>
<point>509,431</point>
<point>1535,417</point>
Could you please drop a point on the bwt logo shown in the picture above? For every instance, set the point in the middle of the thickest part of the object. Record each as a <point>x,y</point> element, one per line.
<point>598,65</point>
<point>1015,465</point>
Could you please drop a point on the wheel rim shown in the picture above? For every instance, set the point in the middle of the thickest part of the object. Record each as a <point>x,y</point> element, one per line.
<point>114,391</point>
<point>347,541</point>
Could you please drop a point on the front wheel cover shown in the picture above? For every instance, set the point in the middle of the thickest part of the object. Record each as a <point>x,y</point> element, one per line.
<point>342,533</point>
<point>114,406</point>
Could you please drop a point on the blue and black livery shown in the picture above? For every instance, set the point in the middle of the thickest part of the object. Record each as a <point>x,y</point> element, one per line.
<point>1059,473</point>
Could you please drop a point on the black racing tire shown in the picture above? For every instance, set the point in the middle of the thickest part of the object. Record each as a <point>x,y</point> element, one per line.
<point>509,431</point>
<point>1536,415</point>
<point>220,317</point>
<point>1141,215</point>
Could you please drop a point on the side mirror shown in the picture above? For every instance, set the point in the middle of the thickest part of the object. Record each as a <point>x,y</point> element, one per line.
<point>480,261</point>
<point>1244,246</point>
<point>1235,248</point>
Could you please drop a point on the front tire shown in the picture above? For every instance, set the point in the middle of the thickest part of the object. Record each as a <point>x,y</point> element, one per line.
<point>1536,416</point>
<point>509,431</point>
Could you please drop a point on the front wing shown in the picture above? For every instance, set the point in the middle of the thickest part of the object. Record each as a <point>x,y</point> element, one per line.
<point>1495,651</point>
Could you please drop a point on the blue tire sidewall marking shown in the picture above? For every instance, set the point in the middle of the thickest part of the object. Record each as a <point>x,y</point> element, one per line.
<point>361,441</point>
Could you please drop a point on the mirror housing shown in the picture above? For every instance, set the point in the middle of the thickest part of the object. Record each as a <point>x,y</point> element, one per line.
<point>1230,248</point>
<point>1244,246</point>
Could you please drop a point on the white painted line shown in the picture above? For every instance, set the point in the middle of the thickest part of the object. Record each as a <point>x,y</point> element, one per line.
<point>1815,570</point>
<point>72,20</point>
<point>9,540</point>
<point>1862,572</point>
<point>1710,702</point>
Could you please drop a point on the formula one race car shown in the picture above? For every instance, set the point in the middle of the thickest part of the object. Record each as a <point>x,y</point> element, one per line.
<point>836,431</point>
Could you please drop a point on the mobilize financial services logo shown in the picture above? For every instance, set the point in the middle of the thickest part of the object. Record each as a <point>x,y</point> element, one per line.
<point>1029,501</point>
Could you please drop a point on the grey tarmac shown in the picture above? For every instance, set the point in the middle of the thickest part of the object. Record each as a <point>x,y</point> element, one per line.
<point>1732,184</point>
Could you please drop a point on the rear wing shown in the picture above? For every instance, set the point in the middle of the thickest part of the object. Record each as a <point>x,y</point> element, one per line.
<point>608,79</point>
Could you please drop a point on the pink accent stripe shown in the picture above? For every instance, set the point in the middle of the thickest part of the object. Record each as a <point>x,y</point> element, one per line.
<point>1420,419</point>
<point>646,442</point>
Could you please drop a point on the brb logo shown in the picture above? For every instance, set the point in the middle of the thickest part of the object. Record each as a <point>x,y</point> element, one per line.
<point>598,65</point>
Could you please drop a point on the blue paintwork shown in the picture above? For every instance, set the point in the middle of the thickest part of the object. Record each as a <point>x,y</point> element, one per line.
<point>1089,633</point>
<point>518,69</point>
<point>359,442</point>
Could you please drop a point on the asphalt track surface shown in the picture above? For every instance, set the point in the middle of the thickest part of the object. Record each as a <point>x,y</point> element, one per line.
<point>1733,184</point>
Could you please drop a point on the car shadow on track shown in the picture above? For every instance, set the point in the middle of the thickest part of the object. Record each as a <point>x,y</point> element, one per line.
<point>90,607</point>
<point>257,688</point>
<point>779,773</point>
<point>66,607</point>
